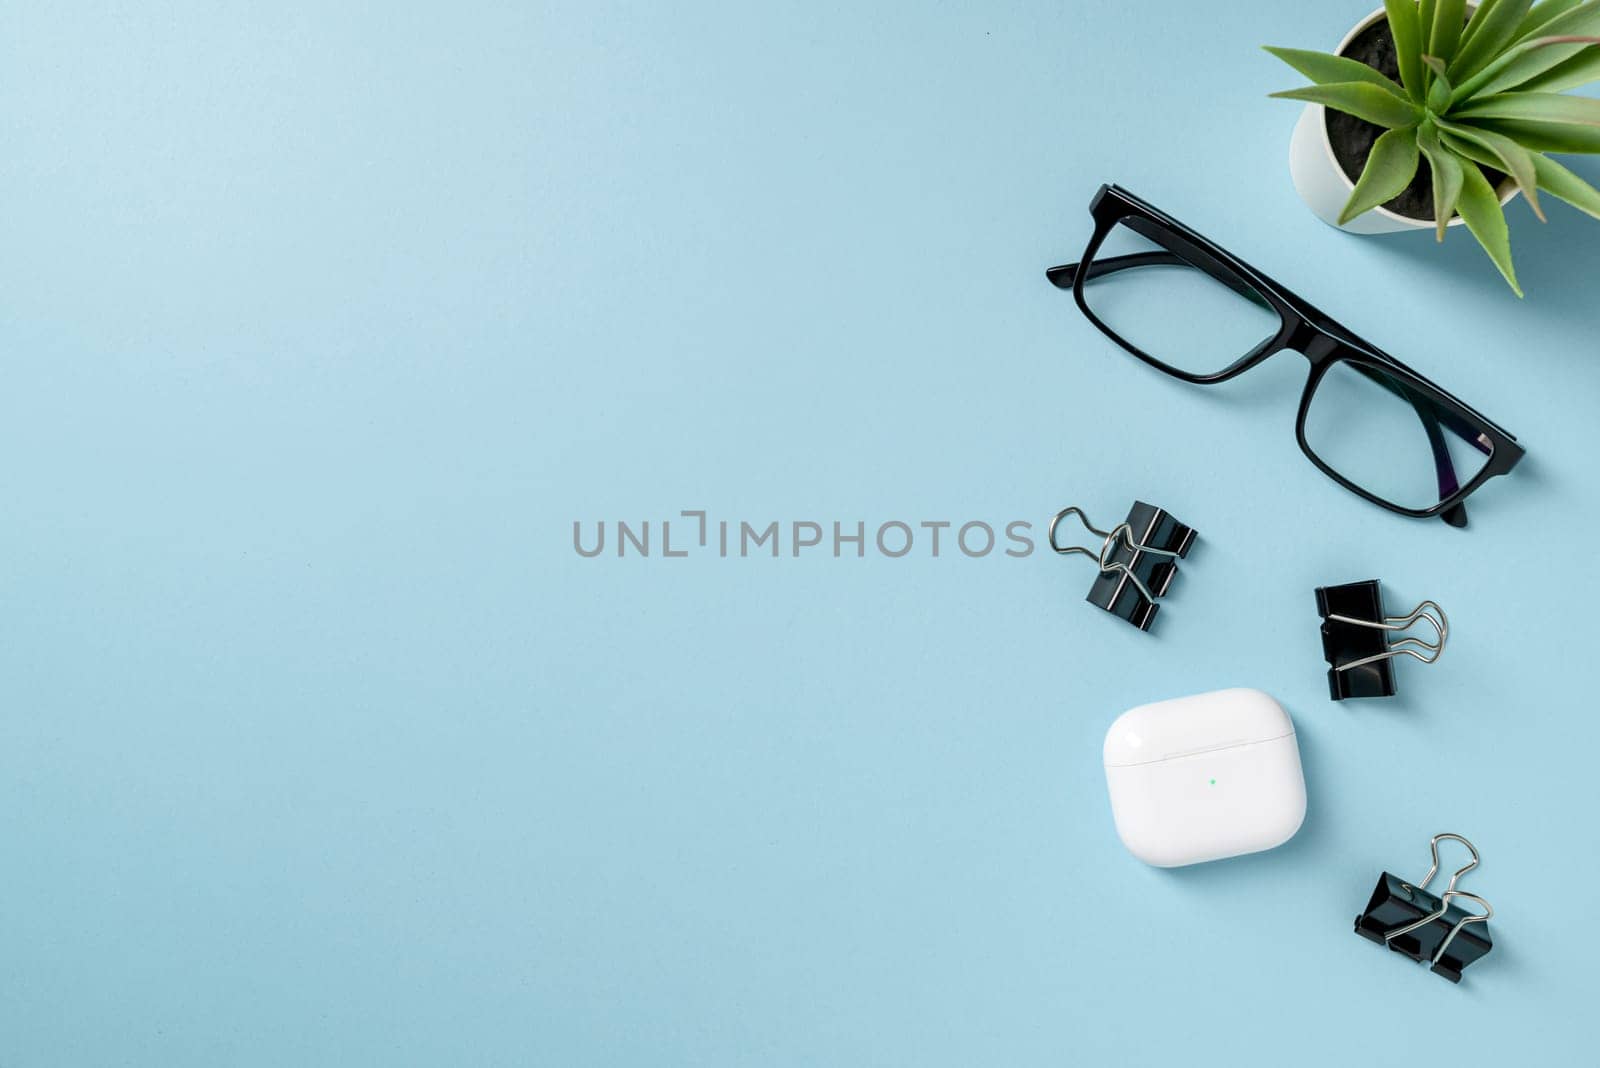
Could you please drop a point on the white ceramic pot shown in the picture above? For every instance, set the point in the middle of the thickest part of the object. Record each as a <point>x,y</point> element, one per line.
<point>1322,183</point>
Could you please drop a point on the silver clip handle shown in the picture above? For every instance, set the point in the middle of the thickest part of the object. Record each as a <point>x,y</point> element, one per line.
<point>1408,645</point>
<point>1121,533</point>
<point>1450,891</point>
<point>1488,911</point>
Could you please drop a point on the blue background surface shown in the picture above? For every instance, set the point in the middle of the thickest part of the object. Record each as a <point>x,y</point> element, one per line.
<point>319,744</point>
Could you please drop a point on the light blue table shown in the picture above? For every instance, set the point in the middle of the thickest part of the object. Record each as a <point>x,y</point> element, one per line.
<point>319,743</point>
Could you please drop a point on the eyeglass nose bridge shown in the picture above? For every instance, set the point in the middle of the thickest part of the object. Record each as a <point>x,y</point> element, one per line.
<point>1314,344</point>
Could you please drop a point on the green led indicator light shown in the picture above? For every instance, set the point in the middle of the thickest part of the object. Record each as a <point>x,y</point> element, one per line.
<point>1213,782</point>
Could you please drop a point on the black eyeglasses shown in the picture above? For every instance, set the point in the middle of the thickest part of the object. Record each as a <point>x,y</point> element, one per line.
<point>1371,423</point>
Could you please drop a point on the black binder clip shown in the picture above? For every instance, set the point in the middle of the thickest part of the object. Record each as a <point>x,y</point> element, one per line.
<point>1138,559</point>
<point>1355,639</point>
<point>1430,930</point>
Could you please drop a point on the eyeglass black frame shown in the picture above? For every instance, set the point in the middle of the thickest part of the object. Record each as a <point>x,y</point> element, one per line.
<point>1302,328</point>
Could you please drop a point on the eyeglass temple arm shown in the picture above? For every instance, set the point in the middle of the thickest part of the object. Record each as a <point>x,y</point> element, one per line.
<point>1065,277</point>
<point>1443,467</point>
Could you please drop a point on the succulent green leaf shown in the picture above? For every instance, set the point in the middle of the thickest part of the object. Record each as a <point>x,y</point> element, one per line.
<point>1324,69</point>
<point>1545,136</point>
<point>1470,150</point>
<point>1563,184</point>
<point>1480,210</point>
<point>1449,17</point>
<point>1523,62</point>
<point>1361,99</point>
<point>1426,10</point>
<point>1581,18</point>
<point>1543,12</point>
<point>1535,107</point>
<point>1446,170</point>
<point>1581,69</point>
<point>1405,28</point>
<point>1493,28</point>
<point>1439,92</point>
<point>1509,156</point>
<point>1390,168</point>
<point>1479,14</point>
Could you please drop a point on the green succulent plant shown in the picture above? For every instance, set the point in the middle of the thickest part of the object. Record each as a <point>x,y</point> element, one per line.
<point>1473,93</point>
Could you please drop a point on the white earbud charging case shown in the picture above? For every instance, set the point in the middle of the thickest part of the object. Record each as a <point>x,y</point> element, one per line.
<point>1205,777</point>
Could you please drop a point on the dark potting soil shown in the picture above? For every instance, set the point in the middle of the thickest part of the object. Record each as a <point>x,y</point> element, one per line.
<point>1352,138</point>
